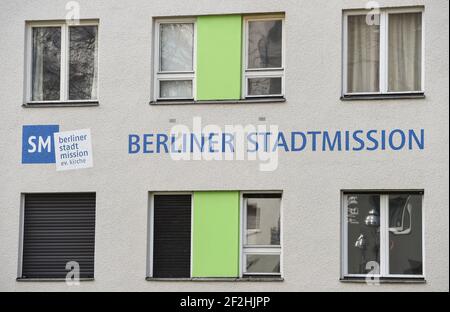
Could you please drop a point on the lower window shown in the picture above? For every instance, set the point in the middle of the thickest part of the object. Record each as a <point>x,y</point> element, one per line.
<point>261,246</point>
<point>383,234</point>
<point>58,235</point>
<point>198,235</point>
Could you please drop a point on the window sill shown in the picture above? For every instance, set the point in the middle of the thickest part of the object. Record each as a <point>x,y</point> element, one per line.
<point>59,280</point>
<point>392,96</point>
<point>202,102</point>
<point>61,104</point>
<point>385,280</point>
<point>216,279</point>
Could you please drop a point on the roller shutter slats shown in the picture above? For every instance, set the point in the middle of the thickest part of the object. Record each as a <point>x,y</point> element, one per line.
<point>58,228</point>
<point>172,236</point>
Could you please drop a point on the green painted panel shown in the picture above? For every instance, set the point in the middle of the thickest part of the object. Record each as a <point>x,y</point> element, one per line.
<point>216,234</point>
<point>219,40</point>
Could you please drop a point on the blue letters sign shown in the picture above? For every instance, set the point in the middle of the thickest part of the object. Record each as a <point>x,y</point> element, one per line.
<point>37,144</point>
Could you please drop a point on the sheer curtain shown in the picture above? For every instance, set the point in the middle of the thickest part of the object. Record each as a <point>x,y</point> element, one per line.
<point>363,55</point>
<point>405,52</point>
<point>46,63</point>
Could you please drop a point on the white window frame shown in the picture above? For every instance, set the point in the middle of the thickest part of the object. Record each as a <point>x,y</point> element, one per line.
<point>159,76</point>
<point>278,72</point>
<point>384,235</point>
<point>260,249</point>
<point>384,51</point>
<point>64,68</point>
<point>151,225</point>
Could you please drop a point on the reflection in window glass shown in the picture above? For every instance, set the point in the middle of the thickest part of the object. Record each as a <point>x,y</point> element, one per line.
<point>263,221</point>
<point>83,63</point>
<point>264,86</point>
<point>176,89</point>
<point>176,47</point>
<point>363,223</point>
<point>265,44</point>
<point>405,234</point>
<point>263,264</point>
<point>46,63</point>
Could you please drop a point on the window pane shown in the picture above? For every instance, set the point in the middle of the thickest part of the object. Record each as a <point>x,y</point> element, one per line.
<point>176,47</point>
<point>363,222</point>
<point>405,52</point>
<point>83,63</point>
<point>263,221</point>
<point>46,67</point>
<point>176,89</point>
<point>363,55</point>
<point>263,264</point>
<point>264,86</point>
<point>265,44</point>
<point>405,234</point>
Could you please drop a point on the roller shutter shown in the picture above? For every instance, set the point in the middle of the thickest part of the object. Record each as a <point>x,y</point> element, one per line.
<point>58,228</point>
<point>172,236</point>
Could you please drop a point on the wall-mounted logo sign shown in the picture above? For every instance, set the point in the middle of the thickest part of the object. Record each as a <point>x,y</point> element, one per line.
<point>38,145</point>
<point>73,150</point>
<point>44,144</point>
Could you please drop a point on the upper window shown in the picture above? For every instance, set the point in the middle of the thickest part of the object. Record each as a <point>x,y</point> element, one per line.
<point>383,234</point>
<point>63,62</point>
<point>261,248</point>
<point>383,53</point>
<point>175,73</point>
<point>264,68</point>
<point>219,57</point>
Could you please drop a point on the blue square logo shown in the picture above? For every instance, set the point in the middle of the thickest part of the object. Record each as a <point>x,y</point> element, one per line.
<point>38,146</point>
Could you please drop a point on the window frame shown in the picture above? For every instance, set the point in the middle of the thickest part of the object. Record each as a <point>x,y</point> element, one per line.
<point>173,75</point>
<point>383,52</point>
<point>276,72</point>
<point>65,58</point>
<point>245,250</point>
<point>384,235</point>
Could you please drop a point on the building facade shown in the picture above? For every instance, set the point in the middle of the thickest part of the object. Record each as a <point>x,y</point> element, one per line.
<point>224,145</point>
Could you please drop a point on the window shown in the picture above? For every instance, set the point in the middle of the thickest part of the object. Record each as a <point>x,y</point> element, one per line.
<point>198,235</point>
<point>175,65</point>
<point>383,234</point>
<point>58,231</point>
<point>264,59</point>
<point>383,53</point>
<point>261,246</point>
<point>63,62</point>
<point>218,58</point>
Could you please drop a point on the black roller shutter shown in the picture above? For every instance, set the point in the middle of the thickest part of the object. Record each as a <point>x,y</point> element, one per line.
<point>172,236</point>
<point>58,228</point>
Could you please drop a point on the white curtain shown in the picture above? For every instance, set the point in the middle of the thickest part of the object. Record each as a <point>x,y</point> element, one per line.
<point>363,55</point>
<point>176,89</point>
<point>95,78</point>
<point>405,52</point>
<point>38,65</point>
<point>46,66</point>
<point>176,46</point>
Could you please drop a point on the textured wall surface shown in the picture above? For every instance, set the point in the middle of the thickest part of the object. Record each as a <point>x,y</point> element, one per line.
<point>311,182</point>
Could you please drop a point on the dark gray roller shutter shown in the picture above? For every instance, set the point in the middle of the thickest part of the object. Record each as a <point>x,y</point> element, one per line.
<point>58,228</point>
<point>172,236</point>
